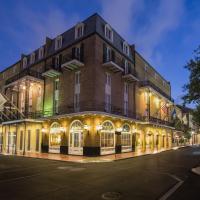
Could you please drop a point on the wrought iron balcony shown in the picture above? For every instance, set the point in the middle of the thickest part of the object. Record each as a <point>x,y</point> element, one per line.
<point>23,73</point>
<point>73,61</point>
<point>112,64</point>
<point>51,71</point>
<point>156,88</point>
<point>130,75</point>
<point>160,121</point>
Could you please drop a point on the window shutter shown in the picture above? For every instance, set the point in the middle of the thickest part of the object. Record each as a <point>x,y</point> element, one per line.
<point>60,59</point>
<point>82,52</point>
<point>123,63</point>
<point>73,52</point>
<point>53,61</point>
<point>104,52</point>
<point>113,55</point>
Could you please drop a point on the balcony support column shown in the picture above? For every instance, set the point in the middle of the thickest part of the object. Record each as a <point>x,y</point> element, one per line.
<point>27,88</point>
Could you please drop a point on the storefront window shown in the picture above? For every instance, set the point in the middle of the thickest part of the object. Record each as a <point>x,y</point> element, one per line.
<point>107,135</point>
<point>126,135</point>
<point>55,134</point>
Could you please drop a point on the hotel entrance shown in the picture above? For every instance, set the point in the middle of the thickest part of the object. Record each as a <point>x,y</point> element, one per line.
<point>126,138</point>
<point>107,138</point>
<point>55,138</point>
<point>76,138</point>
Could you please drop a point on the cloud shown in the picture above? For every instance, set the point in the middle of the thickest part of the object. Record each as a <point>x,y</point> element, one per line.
<point>35,26</point>
<point>120,14</point>
<point>160,18</point>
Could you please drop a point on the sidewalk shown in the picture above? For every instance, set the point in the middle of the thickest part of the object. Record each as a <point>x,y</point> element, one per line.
<point>85,159</point>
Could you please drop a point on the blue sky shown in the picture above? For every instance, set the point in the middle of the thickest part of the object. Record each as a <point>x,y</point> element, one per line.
<point>165,32</point>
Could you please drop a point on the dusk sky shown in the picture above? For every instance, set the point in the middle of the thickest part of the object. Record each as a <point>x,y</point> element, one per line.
<point>165,32</point>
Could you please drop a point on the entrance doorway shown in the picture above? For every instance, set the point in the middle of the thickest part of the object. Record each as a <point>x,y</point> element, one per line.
<point>76,138</point>
<point>107,138</point>
<point>55,138</point>
<point>126,138</point>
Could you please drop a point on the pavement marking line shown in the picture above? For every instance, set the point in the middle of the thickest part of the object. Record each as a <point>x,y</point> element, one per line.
<point>173,189</point>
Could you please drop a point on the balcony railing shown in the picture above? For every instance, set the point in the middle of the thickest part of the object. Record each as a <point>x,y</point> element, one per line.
<point>113,64</point>
<point>73,61</point>
<point>51,70</point>
<point>160,121</point>
<point>107,108</point>
<point>130,74</point>
<point>23,73</point>
<point>152,85</point>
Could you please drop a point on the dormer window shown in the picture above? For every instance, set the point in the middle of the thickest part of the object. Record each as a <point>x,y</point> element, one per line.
<point>24,62</point>
<point>58,42</point>
<point>79,30</point>
<point>108,32</point>
<point>126,48</point>
<point>41,53</point>
<point>32,59</point>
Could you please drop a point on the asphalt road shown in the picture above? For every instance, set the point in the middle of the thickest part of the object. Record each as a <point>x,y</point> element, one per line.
<point>146,177</point>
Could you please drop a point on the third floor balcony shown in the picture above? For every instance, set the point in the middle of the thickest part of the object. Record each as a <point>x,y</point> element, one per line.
<point>130,74</point>
<point>73,60</point>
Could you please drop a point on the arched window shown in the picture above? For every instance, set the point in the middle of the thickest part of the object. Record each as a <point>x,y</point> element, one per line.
<point>107,126</point>
<point>126,138</point>
<point>76,126</point>
<point>55,138</point>
<point>107,138</point>
<point>76,138</point>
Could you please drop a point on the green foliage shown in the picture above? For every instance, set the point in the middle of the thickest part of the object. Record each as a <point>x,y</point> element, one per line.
<point>192,89</point>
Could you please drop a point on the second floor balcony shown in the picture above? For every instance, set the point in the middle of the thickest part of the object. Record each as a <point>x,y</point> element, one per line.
<point>112,64</point>
<point>130,74</point>
<point>148,83</point>
<point>24,74</point>
<point>73,60</point>
<point>51,70</point>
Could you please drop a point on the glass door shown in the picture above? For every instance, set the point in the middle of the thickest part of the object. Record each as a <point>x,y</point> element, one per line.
<point>76,143</point>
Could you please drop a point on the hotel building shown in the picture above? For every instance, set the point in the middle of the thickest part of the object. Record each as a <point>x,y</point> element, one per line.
<point>85,92</point>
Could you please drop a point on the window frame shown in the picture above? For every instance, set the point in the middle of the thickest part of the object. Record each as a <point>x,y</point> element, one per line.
<point>58,42</point>
<point>108,31</point>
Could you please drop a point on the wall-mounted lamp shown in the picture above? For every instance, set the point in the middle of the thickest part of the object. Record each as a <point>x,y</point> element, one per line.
<point>119,129</point>
<point>87,128</point>
<point>98,128</point>
<point>62,129</point>
<point>44,130</point>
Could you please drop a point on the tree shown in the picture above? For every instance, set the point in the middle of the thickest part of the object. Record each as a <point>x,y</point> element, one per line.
<point>192,89</point>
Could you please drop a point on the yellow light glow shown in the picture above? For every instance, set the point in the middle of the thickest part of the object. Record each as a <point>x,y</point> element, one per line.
<point>99,127</point>
<point>86,127</point>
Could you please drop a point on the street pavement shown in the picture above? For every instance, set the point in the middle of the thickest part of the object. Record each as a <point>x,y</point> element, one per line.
<point>146,177</point>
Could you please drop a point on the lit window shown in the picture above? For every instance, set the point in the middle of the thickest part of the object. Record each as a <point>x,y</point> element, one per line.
<point>108,32</point>
<point>126,48</point>
<point>41,53</point>
<point>32,60</point>
<point>79,30</point>
<point>58,42</point>
<point>24,62</point>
